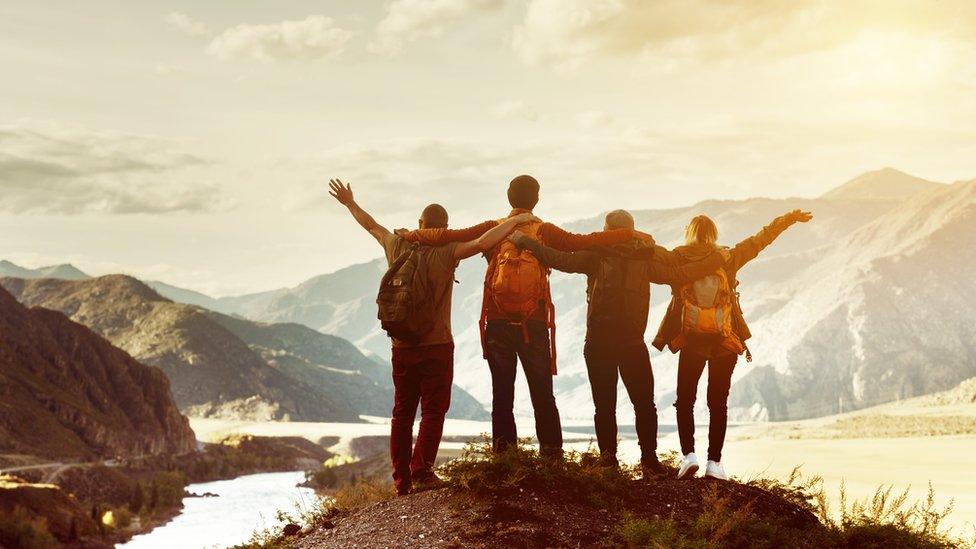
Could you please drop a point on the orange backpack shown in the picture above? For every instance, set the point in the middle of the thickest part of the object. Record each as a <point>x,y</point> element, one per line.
<point>518,284</point>
<point>707,310</point>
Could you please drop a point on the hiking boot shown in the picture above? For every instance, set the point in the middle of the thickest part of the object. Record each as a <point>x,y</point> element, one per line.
<point>689,466</point>
<point>609,461</point>
<point>427,481</point>
<point>651,468</point>
<point>714,469</point>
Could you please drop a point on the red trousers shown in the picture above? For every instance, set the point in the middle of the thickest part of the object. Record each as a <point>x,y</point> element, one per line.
<point>421,376</point>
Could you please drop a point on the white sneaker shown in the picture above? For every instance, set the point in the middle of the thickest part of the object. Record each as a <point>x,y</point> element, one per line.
<point>689,466</point>
<point>714,469</point>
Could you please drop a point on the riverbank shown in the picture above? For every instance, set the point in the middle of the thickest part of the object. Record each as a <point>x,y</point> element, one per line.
<point>100,504</point>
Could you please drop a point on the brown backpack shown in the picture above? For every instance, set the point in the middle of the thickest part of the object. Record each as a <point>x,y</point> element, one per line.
<point>405,300</point>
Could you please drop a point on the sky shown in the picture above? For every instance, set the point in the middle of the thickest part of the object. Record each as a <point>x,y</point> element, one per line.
<point>193,141</point>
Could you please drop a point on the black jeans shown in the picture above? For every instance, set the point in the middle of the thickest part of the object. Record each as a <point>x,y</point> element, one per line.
<point>690,367</point>
<point>604,359</point>
<point>506,344</point>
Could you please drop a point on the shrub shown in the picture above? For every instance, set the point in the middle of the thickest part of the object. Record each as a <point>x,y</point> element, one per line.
<point>19,528</point>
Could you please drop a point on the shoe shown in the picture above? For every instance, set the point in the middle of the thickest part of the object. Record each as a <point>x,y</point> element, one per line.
<point>689,466</point>
<point>427,481</point>
<point>651,468</point>
<point>714,469</point>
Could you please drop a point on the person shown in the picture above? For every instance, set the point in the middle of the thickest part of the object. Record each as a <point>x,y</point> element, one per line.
<point>423,370</point>
<point>529,338</point>
<point>618,300</point>
<point>702,336</point>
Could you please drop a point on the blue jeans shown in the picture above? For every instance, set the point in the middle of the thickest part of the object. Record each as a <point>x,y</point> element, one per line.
<point>506,346</point>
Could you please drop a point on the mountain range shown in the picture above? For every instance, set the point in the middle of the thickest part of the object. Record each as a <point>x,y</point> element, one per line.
<point>865,304</point>
<point>67,393</point>
<point>221,366</point>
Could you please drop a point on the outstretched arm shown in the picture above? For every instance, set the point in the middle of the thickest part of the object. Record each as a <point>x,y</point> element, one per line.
<point>566,241</point>
<point>343,193</point>
<point>568,262</point>
<point>666,267</point>
<point>748,249</point>
<point>440,237</point>
<point>491,238</point>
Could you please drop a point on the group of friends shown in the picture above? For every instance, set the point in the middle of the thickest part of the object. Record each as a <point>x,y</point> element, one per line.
<point>703,324</point>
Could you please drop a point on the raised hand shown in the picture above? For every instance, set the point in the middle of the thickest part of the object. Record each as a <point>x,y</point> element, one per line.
<point>515,235</point>
<point>801,216</point>
<point>525,218</point>
<point>341,192</point>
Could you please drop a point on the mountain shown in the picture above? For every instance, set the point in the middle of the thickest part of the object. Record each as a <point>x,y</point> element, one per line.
<point>803,264</point>
<point>332,364</point>
<point>883,184</point>
<point>65,271</point>
<point>883,315</point>
<point>221,366</point>
<point>213,373</point>
<point>67,393</point>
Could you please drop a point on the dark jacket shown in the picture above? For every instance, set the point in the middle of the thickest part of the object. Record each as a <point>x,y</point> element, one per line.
<point>622,316</point>
<point>742,253</point>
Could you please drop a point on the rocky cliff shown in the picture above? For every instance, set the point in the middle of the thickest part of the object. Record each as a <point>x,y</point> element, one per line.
<point>67,393</point>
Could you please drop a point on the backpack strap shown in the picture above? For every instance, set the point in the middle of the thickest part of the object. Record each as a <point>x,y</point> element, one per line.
<point>552,334</point>
<point>397,263</point>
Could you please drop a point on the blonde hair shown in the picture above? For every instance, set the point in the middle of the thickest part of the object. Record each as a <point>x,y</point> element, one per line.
<point>701,230</point>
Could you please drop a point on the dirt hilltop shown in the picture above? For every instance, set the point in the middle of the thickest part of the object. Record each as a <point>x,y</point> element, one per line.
<point>537,518</point>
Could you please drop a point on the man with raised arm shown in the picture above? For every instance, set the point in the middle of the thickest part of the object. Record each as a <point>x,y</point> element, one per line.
<point>518,319</point>
<point>423,367</point>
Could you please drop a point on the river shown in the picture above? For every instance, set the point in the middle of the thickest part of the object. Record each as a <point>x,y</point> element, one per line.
<point>244,504</point>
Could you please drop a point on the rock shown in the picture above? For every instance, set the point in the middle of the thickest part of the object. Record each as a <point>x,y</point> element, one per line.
<point>291,530</point>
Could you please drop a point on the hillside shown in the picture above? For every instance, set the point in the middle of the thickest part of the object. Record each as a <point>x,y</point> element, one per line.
<point>212,372</point>
<point>66,393</point>
<point>221,366</point>
<point>342,303</point>
<point>518,499</point>
<point>332,364</point>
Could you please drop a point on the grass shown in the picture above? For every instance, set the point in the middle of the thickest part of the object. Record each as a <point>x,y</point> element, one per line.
<point>479,470</point>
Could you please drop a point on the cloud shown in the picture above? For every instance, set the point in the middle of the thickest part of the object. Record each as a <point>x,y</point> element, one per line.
<point>314,37</point>
<point>594,119</point>
<point>163,69</point>
<point>410,20</point>
<point>184,24</point>
<point>567,33</point>
<point>59,171</point>
<point>515,110</point>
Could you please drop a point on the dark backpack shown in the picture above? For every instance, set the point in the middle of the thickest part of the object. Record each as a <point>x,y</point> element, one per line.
<point>405,300</point>
<point>619,295</point>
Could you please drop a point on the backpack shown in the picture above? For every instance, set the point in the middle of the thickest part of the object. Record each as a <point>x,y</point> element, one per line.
<point>518,284</point>
<point>707,305</point>
<point>707,310</point>
<point>405,299</point>
<point>619,294</point>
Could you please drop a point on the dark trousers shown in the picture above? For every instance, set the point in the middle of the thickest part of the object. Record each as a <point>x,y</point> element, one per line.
<point>690,368</point>
<point>506,346</point>
<point>421,376</point>
<point>604,360</point>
